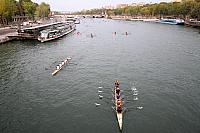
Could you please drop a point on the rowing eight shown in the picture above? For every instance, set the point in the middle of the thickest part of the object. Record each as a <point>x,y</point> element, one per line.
<point>60,66</point>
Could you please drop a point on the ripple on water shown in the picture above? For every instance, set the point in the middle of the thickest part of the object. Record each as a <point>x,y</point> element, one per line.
<point>162,59</point>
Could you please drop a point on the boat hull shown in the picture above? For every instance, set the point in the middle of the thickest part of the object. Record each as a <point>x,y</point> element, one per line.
<point>49,39</point>
<point>119,118</point>
<point>193,23</point>
<point>172,21</point>
<point>57,70</point>
<point>119,115</point>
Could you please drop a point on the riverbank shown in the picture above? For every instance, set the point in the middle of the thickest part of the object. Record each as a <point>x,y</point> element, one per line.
<point>5,33</point>
<point>175,21</point>
<point>130,18</point>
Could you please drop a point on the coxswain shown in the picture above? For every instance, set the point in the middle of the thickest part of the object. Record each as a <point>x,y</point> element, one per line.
<point>117,84</point>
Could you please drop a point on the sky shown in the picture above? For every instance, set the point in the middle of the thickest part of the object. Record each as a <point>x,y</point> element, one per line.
<point>78,5</point>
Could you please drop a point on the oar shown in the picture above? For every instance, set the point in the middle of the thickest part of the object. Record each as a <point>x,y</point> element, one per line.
<point>100,91</point>
<point>140,107</point>
<point>97,104</point>
<point>113,108</point>
<point>100,96</point>
<point>124,109</point>
<point>135,108</point>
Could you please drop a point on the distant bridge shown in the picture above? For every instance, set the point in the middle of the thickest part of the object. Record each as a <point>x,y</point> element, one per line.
<point>80,15</point>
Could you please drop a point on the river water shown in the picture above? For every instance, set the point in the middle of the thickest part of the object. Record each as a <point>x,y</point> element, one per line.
<point>161,61</point>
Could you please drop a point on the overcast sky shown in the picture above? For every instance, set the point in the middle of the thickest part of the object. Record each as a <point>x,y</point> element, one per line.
<point>77,5</point>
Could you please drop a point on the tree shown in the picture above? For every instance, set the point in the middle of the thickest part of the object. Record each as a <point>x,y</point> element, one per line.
<point>195,12</point>
<point>110,12</point>
<point>145,11</point>
<point>7,9</point>
<point>29,9</point>
<point>190,8</point>
<point>118,11</point>
<point>43,10</point>
<point>20,10</point>
<point>186,7</point>
<point>2,7</point>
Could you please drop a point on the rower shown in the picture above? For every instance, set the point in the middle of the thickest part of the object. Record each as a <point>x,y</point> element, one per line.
<point>69,58</point>
<point>117,90</point>
<point>63,63</point>
<point>119,109</point>
<point>60,65</point>
<point>118,102</point>
<point>118,96</point>
<point>57,67</point>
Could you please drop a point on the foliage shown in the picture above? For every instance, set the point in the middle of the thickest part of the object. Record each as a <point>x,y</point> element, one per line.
<point>186,8</point>
<point>9,8</point>
<point>43,10</point>
<point>29,8</point>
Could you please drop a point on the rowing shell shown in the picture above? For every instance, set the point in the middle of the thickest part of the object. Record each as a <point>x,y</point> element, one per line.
<point>119,115</point>
<point>57,70</point>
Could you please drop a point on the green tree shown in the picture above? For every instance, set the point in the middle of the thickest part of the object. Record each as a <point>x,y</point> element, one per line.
<point>110,12</point>
<point>2,7</point>
<point>43,10</point>
<point>7,9</point>
<point>195,12</point>
<point>190,8</point>
<point>145,11</point>
<point>186,8</point>
<point>29,9</point>
<point>118,11</point>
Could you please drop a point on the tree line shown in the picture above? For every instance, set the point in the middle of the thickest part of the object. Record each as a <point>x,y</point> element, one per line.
<point>186,8</point>
<point>10,8</point>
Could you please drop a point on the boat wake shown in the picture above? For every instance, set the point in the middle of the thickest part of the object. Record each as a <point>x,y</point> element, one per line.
<point>131,97</point>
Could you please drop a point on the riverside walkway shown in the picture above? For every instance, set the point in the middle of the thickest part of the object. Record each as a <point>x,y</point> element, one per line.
<point>5,32</point>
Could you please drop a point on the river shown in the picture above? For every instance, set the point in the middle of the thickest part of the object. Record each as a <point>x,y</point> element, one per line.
<point>161,61</point>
